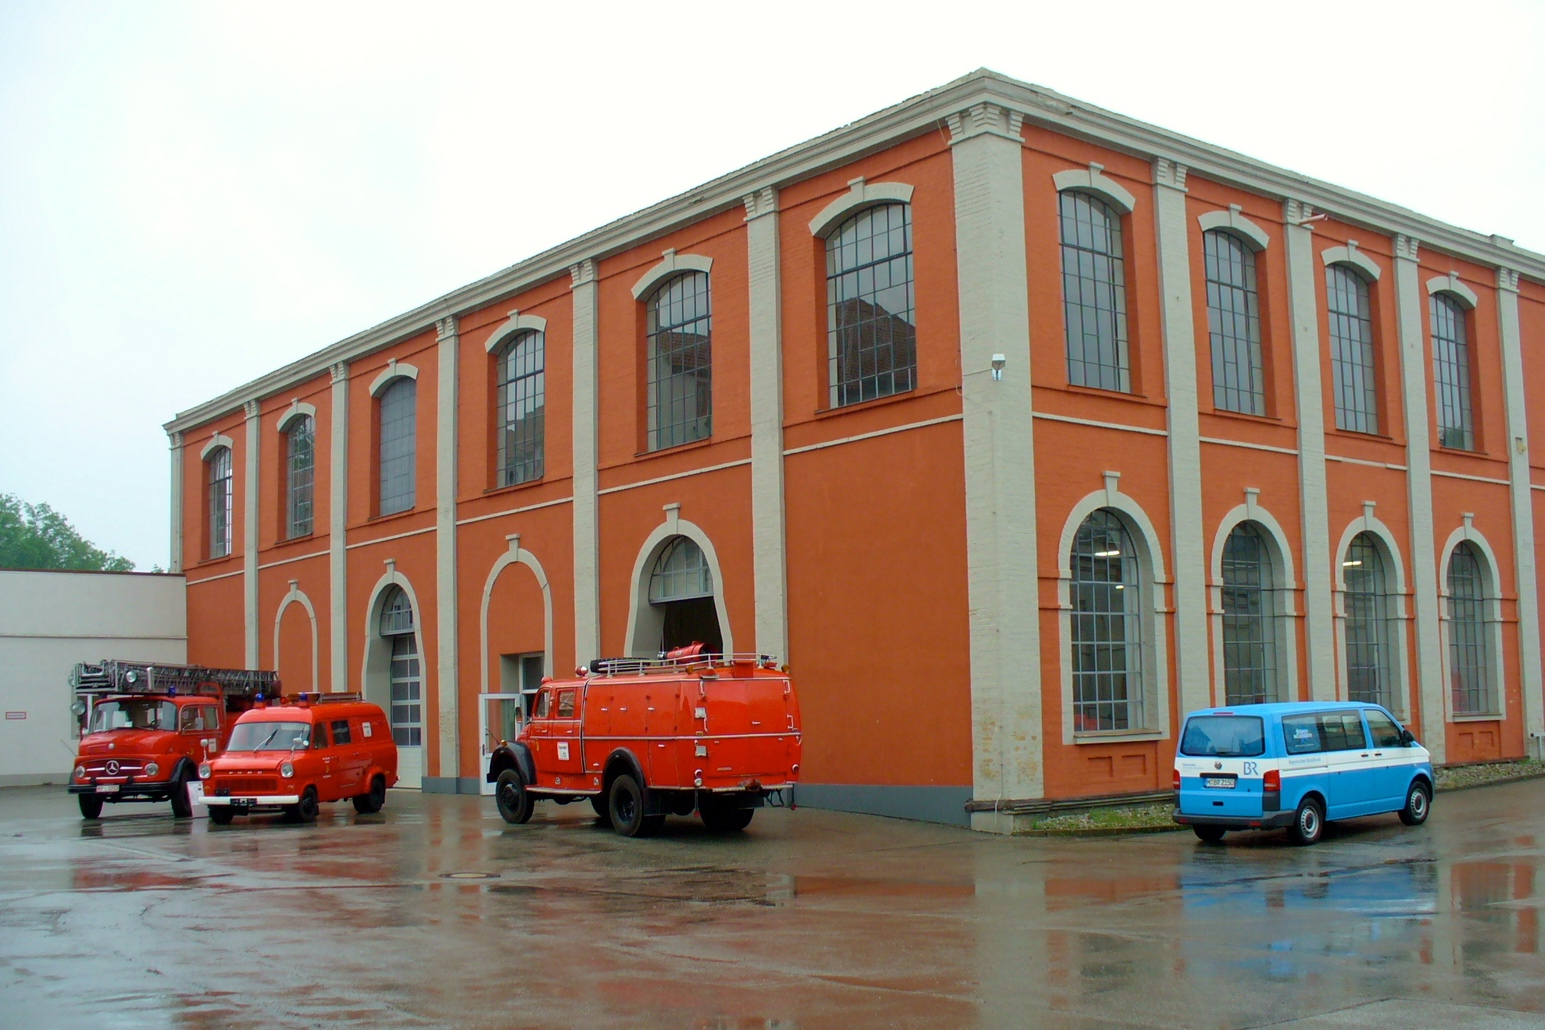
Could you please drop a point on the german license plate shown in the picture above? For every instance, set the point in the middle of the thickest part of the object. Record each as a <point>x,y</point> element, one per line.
<point>107,788</point>
<point>1225,782</point>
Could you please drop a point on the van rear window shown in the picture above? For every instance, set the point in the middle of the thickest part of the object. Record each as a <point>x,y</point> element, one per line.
<point>1224,736</point>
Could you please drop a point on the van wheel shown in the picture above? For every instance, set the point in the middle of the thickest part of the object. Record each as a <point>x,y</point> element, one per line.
<point>598,802</point>
<point>515,803</point>
<point>371,801</point>
<point>90,806</point>
<point>723,815</point>
<point>625,805</point>
<point>1308,822</point>
<point>221,815</point>
<point>1418,804</point>
<point>182,808</point>
<point>1210,834</point>
<point>306,811</point>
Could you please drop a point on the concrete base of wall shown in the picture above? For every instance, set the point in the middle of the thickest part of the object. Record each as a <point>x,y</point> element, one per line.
<point>36,779</point>
<point>451,785</point>
<point>924,804</point>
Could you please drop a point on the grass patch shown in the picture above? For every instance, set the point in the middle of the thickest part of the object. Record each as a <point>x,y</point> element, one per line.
<point>1460,776</point>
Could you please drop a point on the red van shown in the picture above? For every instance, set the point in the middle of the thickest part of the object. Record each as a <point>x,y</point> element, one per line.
<point>301,753</point>
<point>641,739</point>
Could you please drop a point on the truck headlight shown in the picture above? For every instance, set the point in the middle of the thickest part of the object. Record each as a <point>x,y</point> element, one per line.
<point>80,772</point>
<point>286,769</point>
<point>204,771</point>
<point>151,769</point>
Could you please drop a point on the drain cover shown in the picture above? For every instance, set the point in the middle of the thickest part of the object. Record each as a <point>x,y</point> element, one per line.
<point>469,876</point>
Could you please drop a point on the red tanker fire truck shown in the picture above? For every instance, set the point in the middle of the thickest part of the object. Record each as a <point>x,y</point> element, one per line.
<point>145,728</point>
<point>641,739</point>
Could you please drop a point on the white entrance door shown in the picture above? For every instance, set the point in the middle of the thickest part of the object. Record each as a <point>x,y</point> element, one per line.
<point>498,718</point>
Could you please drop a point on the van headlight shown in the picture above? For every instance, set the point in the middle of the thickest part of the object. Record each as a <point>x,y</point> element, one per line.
<point>204,771</point>
<point>286,769</point>
<point>151,769</point>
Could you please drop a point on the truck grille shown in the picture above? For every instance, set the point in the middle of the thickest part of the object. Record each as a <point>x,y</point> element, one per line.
<point>98,767</point>
<point>240,785</point>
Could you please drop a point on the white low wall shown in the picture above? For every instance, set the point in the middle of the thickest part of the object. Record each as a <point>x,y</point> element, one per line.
<point>51,620</point>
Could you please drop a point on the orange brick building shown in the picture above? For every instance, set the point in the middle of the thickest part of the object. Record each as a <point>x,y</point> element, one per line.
<point>1018,427</point>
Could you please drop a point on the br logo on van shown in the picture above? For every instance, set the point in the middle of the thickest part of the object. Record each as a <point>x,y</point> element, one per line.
<point>1251,769</point>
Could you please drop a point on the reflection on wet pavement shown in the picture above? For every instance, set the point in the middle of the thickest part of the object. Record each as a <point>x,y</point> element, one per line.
<point>436,913</point>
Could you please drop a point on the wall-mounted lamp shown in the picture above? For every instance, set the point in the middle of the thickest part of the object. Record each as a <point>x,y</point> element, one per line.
<point>998,361</point>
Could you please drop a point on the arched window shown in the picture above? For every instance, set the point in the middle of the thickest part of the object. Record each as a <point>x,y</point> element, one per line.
<point>1351,350</point>
<point>522,379</point>
<point>870,319</point>
<point>1467,634</point>
<point>407,678</point>
<point>1106,594</point>
<point>397,410</point>
<point>680,372</point>
<point>1094,292</point>
<point>1369,647</point>
<point>681,588</point>
<point>220,494</point>
<point>1249,618</point>
<point>1451,372</point>
<point>1234,324</point>
<point>299,465</point>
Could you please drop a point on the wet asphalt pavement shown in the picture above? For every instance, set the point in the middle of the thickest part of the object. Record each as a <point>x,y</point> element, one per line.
<point>435,913</point>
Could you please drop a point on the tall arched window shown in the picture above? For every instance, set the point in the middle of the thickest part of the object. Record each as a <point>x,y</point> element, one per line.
<point>1094,292</point>
<point>1451,372</point>
<point>1369,644</point>
<point>1351,350</point>
<point>522,379</point>
<point>1106,594</point>
<point>407,714</point>
<point>1468,676</point>
<point>220,495</point>
<point>299,475</point>
<point>397,410</point>
<point>1234,324</point>
<point>680,366</point>
<point>681,586</point>
<point>870,321</point>
<point>1249,618</point>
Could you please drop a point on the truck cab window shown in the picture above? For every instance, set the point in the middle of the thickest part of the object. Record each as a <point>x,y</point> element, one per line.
<point>566,705</point>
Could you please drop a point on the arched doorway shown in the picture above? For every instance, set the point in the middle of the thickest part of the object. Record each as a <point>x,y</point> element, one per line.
<point>404,679</point>
<point>681,594</point>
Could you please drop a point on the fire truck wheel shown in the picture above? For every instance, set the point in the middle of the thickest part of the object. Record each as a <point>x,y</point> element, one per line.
<point>625,804</point>
<point>182,808</point>
<point>90,806</point>
<point>722,815</point>
<point>306,811</point>
<point>371,802</point>
<point>515,804</point>
<point>598,802</point>
<point>221,815</point>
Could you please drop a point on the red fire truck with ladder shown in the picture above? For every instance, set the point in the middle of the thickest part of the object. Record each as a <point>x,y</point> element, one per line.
<point>146,727</point>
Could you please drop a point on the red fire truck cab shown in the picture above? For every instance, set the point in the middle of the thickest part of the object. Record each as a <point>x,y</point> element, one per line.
<point>642,739</point>
<point>145,728</point>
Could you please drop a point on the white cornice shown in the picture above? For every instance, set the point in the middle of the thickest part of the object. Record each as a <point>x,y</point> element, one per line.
<point>910,118</point>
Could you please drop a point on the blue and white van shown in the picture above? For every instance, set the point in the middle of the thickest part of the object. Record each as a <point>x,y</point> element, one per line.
<point>1296,765</point>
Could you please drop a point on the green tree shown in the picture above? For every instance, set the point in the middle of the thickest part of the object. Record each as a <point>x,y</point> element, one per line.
<point>34,536</point>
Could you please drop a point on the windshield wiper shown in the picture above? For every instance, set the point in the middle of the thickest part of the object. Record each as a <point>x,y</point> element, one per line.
<point>266,739</point>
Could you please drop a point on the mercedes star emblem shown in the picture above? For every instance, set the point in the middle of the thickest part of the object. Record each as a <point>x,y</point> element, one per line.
<point>112,768</point>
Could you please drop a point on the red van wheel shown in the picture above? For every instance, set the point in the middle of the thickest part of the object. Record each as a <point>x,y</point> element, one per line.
<point>371,801</point>
<point>306,811</point>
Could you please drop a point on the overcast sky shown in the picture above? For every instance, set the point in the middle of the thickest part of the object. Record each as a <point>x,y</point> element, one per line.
<point>194,194</point>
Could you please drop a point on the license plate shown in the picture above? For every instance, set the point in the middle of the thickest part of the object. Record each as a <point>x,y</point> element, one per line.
<point>1225,782</point>
<point>107,788</point>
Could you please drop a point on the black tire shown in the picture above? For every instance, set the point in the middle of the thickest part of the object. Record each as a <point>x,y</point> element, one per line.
<point>723,815</point>
<point>598,802</point>
<point>182,808</point>
<point>1308,822</point>
<point>221,815</point>
<point>514,801</point>
<point>371,801</point>
<point>90,806</point>
<point>625,805</point>
<point>1418,804</point>
<point>1209,834</point>
<point>306,810</point>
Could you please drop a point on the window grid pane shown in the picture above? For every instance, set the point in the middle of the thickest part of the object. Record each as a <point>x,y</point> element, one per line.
<point>1234,325</point>
<point>1106,592</point>
<point>220,499</point>
<point>680,573</point>
<point>407,683</point>
<point>870,321</point>
<point>398,407</point>
<point>1094,293</point>
<point>300,445</point>
<point>522,408</point>
<point>1368,648</point>
<point>1468,675</point>
<point>1351,355</point>
<point>1451,373</point>
<point>1249,619</point>
<point>680,372</point>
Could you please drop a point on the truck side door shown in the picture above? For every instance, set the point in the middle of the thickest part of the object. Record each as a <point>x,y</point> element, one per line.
<point>662,709</point>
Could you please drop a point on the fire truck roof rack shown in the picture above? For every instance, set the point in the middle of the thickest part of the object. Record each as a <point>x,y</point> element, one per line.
<point>119,676</point>
<point>320,697</point>
<point>673,661</point>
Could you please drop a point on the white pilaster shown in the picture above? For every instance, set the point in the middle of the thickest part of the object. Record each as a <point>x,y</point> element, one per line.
<point>1533,690</point>
<point>1001,560</point>
<point>587,561</point>
<point>174,561</point>
<point>767,523</point>
<point>1308,400</point>
<point>250,493</point>
<point>337,531</point>
<point>1185,447</point>
<point>446,679</point>
<point>1410,305</point>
